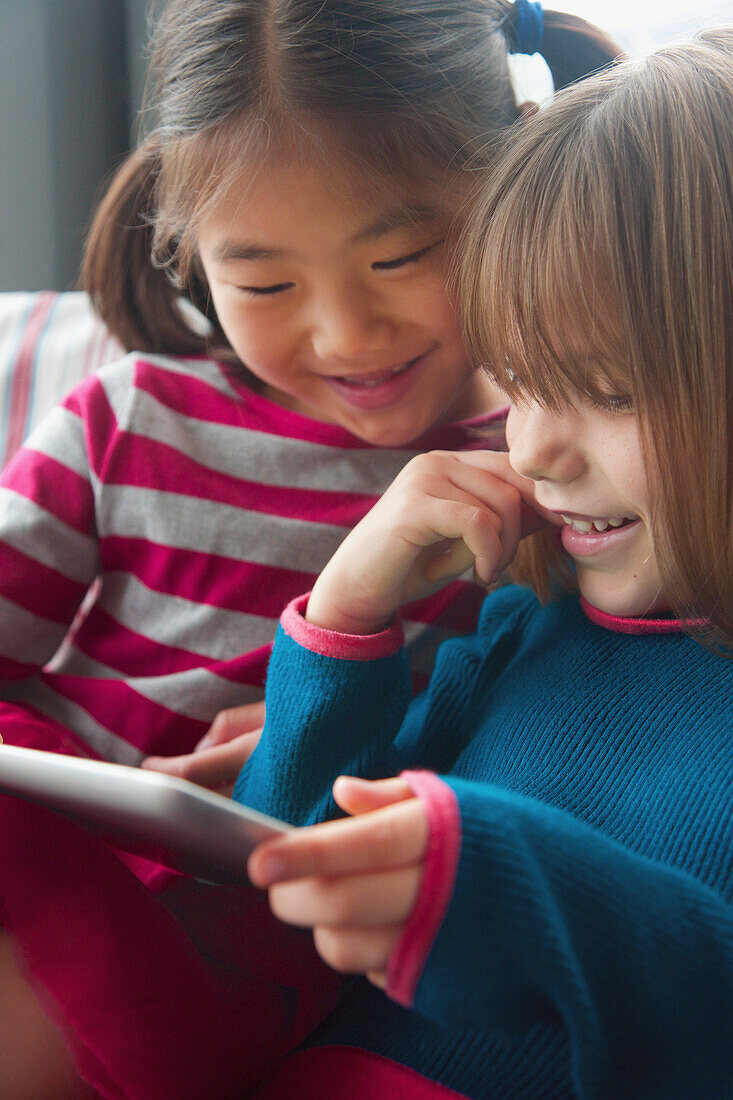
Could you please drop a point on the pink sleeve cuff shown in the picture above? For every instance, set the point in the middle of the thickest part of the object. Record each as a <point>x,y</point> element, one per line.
<point>328,643</point>
<point>408,958</point>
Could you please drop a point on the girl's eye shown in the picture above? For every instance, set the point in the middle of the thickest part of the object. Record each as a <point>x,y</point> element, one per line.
<point>403,261</point>
<point>613,402</point>
<point>260,291</point>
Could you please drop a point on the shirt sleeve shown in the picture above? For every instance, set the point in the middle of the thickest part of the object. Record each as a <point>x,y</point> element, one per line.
<point>334,705</point>
<point>546,919</point>
<point>49,552</point>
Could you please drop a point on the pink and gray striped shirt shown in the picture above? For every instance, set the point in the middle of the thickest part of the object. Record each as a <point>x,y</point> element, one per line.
<point>152,529</point>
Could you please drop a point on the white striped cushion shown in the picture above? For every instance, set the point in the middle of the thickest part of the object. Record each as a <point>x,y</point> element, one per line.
<point>48,343</point>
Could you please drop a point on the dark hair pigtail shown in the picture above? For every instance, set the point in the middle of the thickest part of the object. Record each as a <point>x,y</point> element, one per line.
<point>572,47</point>
<point>136,299</point>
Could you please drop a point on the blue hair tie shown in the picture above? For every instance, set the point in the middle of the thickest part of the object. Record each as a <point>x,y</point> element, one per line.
<point>526,34</point>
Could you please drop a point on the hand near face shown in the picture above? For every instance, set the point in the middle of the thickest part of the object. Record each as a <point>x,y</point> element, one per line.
<point>444,513</point>
<point>354,881</point>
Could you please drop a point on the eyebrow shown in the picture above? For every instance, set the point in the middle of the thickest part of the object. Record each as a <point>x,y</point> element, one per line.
<point>398,218</point>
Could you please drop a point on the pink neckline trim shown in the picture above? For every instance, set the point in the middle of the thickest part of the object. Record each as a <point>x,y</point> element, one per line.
<point>630,625</point>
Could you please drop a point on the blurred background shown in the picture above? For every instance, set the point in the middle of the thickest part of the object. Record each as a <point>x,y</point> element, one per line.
<point>72,77</point>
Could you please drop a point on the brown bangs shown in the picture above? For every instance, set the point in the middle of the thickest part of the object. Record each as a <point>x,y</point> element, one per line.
<point>538,281</point>
<point>198,171</point>
<point>597,258</point>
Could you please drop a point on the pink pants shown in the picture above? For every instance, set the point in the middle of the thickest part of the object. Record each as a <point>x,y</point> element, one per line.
<point>153,1005</point>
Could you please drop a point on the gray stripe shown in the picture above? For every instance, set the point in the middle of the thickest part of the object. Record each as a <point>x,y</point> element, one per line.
<point>73,717</point>
<point>60,436</point>
<point>273,460</point>
<point>195,693</point>
<point>34,531</point>
<point>190,523</point>
<point>214,633</point>
<point>25,637</point>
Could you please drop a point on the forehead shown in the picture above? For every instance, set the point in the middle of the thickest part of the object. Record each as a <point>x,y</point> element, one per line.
<point>285,199</point>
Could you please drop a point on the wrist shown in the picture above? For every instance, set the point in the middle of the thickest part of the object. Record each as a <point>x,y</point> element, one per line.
<point>324,612</point>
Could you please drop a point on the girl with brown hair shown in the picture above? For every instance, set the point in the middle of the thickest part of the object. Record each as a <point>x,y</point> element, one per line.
<point>544,885</point>
<point>303,161</point>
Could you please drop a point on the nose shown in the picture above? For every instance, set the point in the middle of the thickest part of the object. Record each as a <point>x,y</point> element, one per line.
<point>544,445</point>
<point>350,323</point>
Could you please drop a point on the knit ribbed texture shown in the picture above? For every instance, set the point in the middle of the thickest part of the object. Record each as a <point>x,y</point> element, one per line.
<point>587,950</point>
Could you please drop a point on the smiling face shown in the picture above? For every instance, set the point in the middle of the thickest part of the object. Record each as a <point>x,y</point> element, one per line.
<point>589,476</point>
<point>333,297</point>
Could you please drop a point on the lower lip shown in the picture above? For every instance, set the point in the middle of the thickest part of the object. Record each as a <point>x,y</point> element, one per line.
<point>381,395</point>
<point>596,542</point>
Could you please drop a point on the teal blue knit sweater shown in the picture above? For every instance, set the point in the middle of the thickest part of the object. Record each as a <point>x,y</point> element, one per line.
<point>586,949</point>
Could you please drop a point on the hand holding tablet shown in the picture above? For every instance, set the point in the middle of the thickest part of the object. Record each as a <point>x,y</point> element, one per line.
<point>160,817</point>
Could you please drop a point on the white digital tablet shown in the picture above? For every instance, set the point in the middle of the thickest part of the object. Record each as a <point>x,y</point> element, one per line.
<point>169,820</point>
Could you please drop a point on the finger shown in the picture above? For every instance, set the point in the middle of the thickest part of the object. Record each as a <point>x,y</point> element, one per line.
<point>497,463</point>
<point>473,534</point>
<point>212,768</point>
<point>361,796</point>
<point>352,901</point>
<point>232,722</point>
<point>355,952</point>
<point>394,836</point>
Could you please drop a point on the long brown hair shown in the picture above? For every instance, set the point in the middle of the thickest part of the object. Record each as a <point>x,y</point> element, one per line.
<point>605,237</point>
<point>414,85</point>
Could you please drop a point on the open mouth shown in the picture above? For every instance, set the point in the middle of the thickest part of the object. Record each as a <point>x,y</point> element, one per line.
<point>596,526</point>
<point>371,381</point>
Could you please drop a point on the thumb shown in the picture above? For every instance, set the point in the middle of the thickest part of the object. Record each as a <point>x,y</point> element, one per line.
<point>361,796</point>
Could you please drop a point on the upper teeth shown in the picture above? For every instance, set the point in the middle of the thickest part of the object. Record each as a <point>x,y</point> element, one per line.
<point>585,525</point>
<point>380,378</point>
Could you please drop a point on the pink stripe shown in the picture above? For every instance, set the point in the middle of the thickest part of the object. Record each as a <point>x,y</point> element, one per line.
<point>633,626</point>
<point>407,961</point>
<point>53,487</point>
<point>90,403</point>
<point>148,726</point>
<point>457,605</point>
<point>23,725</point>
<point>15,670</point>
<point>348,1073</point>
<point>134,654</point>
<point>266,416</point>
<point>50,595</point>
<point>328,643</point>
<point>148,463</point>
<point>206,578</point>
<point>184,394</point>
<point>20,390</point>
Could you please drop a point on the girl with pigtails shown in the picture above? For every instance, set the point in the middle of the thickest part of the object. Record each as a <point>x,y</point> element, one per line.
<point>304,162</point>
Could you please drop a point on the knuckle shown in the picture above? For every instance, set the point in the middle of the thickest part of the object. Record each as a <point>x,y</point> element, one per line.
<point>220,724</point>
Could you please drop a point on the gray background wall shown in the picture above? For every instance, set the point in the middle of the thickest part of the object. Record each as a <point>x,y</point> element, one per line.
<point>71,79</point>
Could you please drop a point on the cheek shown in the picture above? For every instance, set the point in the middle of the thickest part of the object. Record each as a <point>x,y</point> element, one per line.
<point>427,302</point>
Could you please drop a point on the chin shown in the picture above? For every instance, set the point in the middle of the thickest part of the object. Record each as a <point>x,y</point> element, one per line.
<point>388,435</point>
<point>627,601</point>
